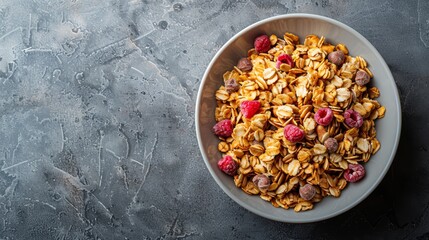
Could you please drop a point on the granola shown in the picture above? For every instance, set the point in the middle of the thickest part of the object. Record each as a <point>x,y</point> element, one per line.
<point>314,126</point>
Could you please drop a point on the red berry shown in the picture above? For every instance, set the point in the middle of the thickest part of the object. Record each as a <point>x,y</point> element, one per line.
<point>284,58</point>
<point>324,116</point>
<point>354,173</point>
<point>307,191</point>
<point>262,44</point>
<point>353,119</point>
<point>223,128</point>
<point>293,133</point>
<point>228,165</point>
<point>249,108</point>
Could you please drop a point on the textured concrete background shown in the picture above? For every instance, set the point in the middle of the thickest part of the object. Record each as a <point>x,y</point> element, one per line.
<point>97,120</point>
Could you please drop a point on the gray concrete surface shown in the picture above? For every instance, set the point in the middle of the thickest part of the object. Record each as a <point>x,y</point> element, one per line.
<point>97,120</point>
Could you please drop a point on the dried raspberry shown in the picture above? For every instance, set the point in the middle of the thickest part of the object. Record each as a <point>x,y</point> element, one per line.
<point>331,144</point>
<point>261,181</point>
<point>293,133</point>
<point>262,44</point>
<point>228,165</point>
<point>231,85</point>
<point>337,57</point>
<point>223,128</point>
<point>324,116</point>
<point>362,77</point>
<point>307,191</point>
<point>353,119</point>
<point>249,108</point>
<point>284,58</point>
<point>245,65</point>
<point>354,173</point>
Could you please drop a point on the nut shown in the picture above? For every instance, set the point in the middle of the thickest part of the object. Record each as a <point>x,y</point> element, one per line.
<point>337,57</point>
<point>261,181</point>
<point>245,65</point>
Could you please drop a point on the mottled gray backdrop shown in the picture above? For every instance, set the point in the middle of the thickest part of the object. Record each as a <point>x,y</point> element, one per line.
<point>97,136</point>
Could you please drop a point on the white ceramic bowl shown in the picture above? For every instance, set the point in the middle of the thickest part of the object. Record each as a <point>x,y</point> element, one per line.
<point>388,128</point>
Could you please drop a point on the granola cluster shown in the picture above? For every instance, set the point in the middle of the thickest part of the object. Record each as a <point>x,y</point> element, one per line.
<point>302,118</point>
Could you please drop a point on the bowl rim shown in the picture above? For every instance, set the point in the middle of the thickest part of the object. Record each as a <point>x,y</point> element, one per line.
<point>395,93</point>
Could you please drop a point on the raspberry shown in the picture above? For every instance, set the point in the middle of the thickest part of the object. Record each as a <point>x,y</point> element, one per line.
<point>337,57</point>
<point>324,116</point>
<point>223,128</point>
<point>307,191</point>
<point>262,44</point>
<point>245,65</point>
<point>249,108</point>
<point>353,119</point>
<point>354,173</point>
<point>228,165</point>
<point>284,58</point>
<point>293,133</point>
<point>331,144</point>
<point>231,85</point>
<point>261,181</point>
<point>362,78</point>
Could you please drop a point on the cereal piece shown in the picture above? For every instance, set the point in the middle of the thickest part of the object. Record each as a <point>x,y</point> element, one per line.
<point>324,116</point>
<point>319,149</point>
<point>259,135</point>
<point>322,134</point>
<point>291,38</point>
<point>231,85</point>
<point>256,150</point>
<point>354,173</point>
<point>223,147</point>
<point>293,133</point>
<point>228,165</point>
<point>284,67</point>
<point>309,125</point>
<point>304,155</point>
<point>294,167</point>
<point>381,111</point>
<point>223,128</point>
<point>373,92</point>
<point>222,95</point>
<point>334,157</point>
<point>262,44</point>
<point>273,39</point>
<point>307,191</point>
<point>249,108</point>
<point>269,73</point>
<point>316,54</point>
<point>343,94</point>
<point>363,144</point>
<point>353,119</point>
<point>341,47</point>
<point>239,131</point>
<point>337,58</point>
<point>262,182</point>
<point>284,111</point>
<point>362,78</point>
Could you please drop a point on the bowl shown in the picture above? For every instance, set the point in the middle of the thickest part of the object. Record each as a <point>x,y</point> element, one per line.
<point>388,128</point>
